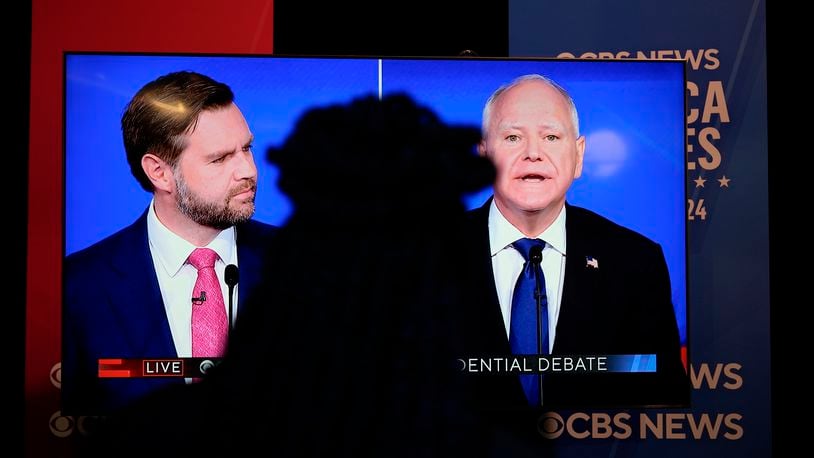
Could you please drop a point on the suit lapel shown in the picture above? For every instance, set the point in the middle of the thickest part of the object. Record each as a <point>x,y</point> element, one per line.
<point>249,255</point>
<point>493,328</point>
<point>136,296</point>
<point>579,286</point>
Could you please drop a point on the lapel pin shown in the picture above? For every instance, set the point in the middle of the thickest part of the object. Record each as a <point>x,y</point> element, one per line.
<point>590,261</point>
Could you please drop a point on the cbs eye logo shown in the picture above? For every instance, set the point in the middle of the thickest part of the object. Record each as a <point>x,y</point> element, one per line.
<point>61,425</point>
<point>64,425</point>
<point>56,375</point>
<point>205,366</point>
<point>550,425</point>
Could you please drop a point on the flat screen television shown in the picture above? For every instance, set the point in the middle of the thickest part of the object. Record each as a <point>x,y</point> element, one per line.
<point>632,114</point>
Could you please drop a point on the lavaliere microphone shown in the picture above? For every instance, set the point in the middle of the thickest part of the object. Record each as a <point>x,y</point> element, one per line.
<point>199,300</point>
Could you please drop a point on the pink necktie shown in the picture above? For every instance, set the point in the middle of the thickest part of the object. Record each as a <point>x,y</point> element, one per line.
<point>209,323</point>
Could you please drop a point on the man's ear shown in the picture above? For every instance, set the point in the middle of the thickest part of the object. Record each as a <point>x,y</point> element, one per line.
<point>580,155</point>
<point>158,172</point>
<point>482,148</point>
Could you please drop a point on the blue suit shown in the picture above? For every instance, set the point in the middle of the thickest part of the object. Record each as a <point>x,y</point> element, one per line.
<point>112,308</point>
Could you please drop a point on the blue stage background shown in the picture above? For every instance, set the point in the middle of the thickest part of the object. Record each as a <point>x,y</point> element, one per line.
<point>632,114</point>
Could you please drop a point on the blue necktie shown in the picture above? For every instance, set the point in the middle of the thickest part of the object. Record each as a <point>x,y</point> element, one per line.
<point>528,332</point>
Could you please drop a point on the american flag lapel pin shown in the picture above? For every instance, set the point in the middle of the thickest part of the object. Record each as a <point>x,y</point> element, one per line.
<point>591,261</point>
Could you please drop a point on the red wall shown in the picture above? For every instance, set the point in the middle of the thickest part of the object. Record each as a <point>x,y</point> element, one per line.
<point>177,26</point>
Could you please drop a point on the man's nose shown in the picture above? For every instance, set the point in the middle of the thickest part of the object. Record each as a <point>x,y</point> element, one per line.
<point>245,168</point>
<point>534,149</point>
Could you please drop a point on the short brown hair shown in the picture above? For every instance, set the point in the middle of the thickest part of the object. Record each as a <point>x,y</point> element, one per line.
<point>162,111</point>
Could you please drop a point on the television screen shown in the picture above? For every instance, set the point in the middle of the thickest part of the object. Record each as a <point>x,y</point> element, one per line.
<point>631,114</point>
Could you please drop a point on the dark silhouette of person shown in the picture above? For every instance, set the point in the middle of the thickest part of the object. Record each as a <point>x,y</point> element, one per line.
<point>349,347</point>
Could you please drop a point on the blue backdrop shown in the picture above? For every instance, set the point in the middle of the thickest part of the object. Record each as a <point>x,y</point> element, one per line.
<point>632,114</point>
<point>724,43</point>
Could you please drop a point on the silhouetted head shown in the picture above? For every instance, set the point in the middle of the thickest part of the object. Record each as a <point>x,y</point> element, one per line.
<point>382,157</point>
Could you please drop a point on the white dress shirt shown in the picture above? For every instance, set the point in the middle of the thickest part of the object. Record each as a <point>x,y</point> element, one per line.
<point>176,278</point>
<point>507,263</point>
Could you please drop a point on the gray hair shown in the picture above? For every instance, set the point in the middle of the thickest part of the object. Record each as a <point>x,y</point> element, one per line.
<point>490,103</point>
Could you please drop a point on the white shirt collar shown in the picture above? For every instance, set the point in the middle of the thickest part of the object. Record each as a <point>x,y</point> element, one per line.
<point>502,233</point>
<point>172,250</point>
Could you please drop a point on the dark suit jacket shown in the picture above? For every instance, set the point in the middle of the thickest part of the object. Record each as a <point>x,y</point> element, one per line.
<point>112,308</point>
<point>622,307</point>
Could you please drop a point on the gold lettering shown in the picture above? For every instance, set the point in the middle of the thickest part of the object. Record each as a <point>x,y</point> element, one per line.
<point>625,428</point>
<point>665,54</point>
<point>692,58</point>
<point>692,88</point>
<point>712,57</point>
<point>715,154</point>
<point>600,426</point>
<point>715,103</point>
<point>570,425</point>
<point>735,379</point>
<point>704,424</point>
<point>674,426</point>
<point>646,424</point>
<point>703,373</point>
<point>736,430</point>
<point>690,133</point>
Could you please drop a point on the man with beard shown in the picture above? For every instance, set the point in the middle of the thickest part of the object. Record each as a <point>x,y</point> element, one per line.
<point>156,289</point>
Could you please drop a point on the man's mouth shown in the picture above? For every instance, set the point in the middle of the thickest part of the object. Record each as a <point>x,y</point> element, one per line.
<point>532,178</point>
<point>243,191</point>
